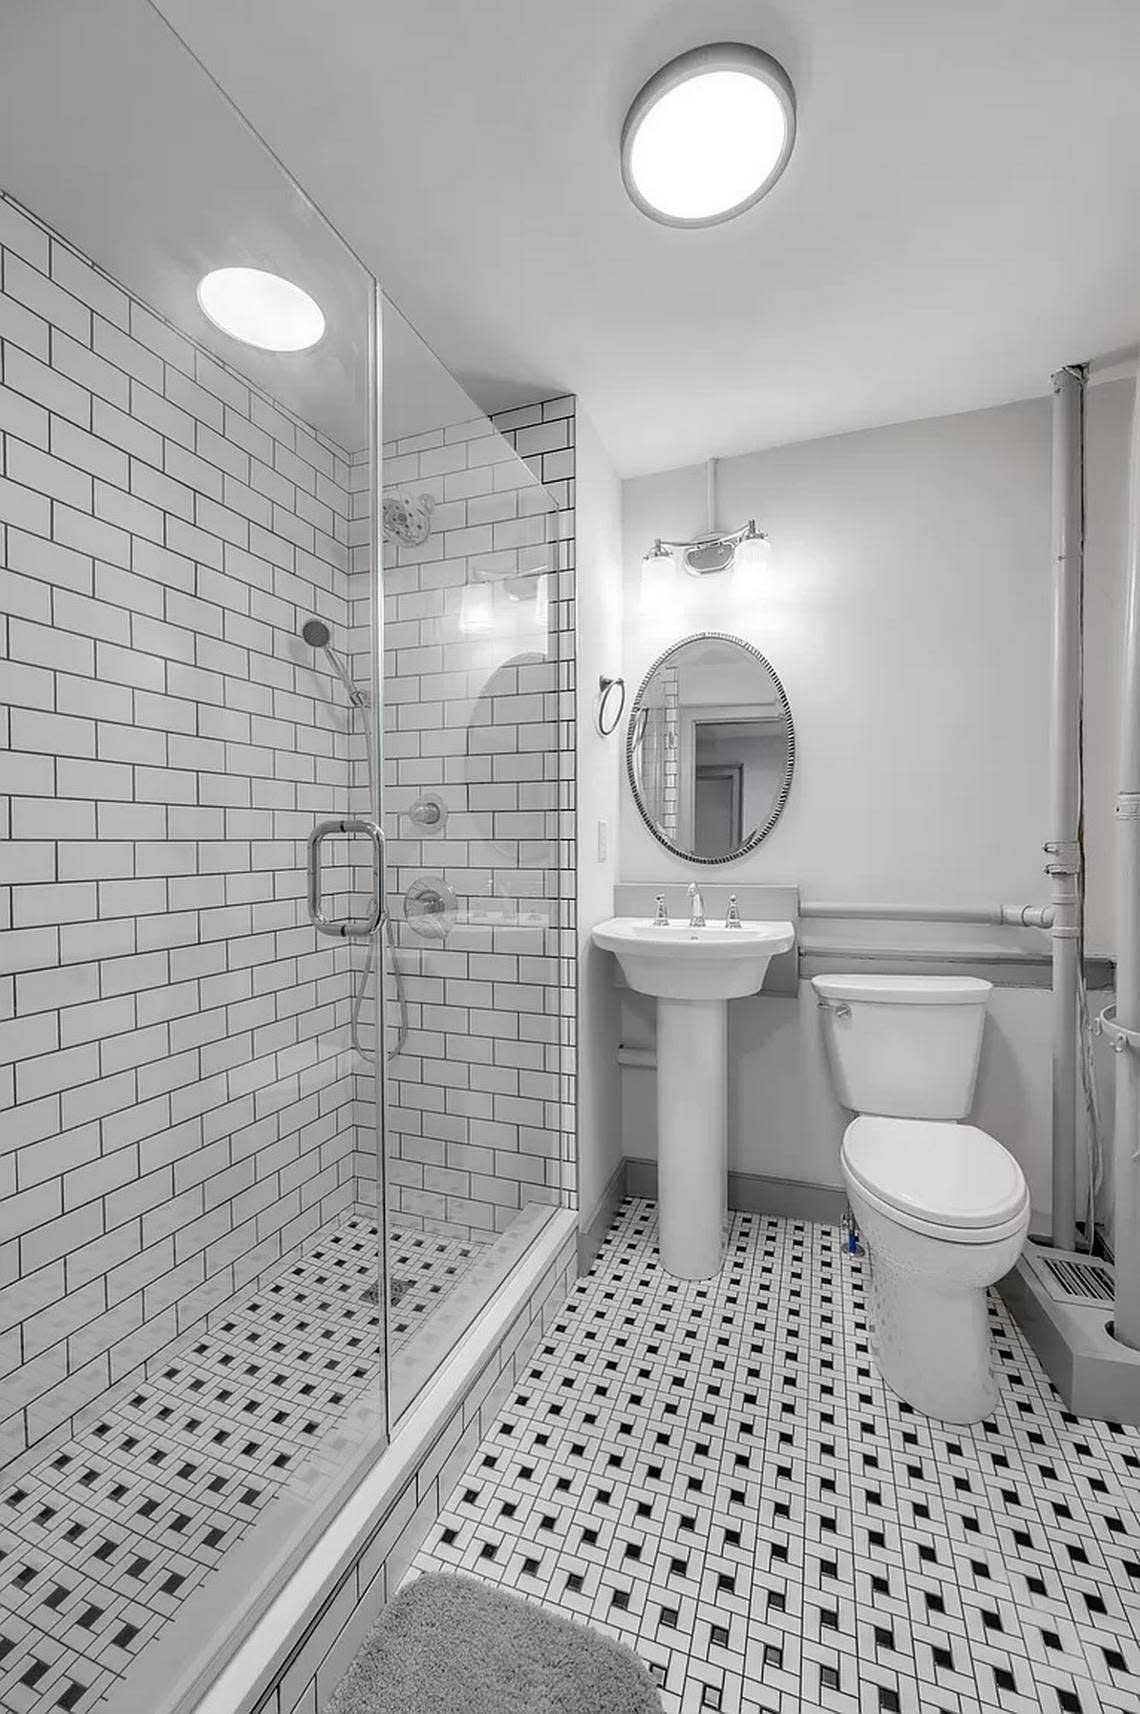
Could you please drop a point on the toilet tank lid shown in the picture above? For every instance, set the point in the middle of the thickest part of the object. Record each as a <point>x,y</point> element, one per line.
<point>905,990</point>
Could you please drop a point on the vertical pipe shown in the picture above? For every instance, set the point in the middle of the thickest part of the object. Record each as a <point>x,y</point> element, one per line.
<point>1126,1143</point>
<point>1063,848</point>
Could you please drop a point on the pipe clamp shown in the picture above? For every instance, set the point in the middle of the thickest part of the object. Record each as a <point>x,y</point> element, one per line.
<point>1120,1039</point>
<point>1066,857</point>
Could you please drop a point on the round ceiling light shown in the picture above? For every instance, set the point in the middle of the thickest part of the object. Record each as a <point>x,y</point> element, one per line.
<point>261,309</point>
<point>708,135</point>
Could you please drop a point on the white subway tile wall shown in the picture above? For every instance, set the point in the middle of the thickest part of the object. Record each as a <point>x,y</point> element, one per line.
<point>478,720</point>
<point>178,1094</point>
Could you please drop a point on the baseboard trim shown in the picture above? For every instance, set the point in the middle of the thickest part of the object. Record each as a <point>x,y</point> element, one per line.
<point>755,1193</point>
<point>592,1231</point>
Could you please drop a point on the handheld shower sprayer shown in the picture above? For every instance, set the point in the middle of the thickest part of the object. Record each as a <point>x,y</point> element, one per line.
<point>317,634</point>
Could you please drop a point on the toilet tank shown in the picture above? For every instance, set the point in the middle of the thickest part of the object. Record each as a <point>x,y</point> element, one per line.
<point>904,1046</point>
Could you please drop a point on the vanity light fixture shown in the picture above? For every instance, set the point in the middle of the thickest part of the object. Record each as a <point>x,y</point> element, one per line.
<point>261,309</point>
<point>704,555</point>
<point>513,581</point>
<point>708,135</point>
<point>720,550</point>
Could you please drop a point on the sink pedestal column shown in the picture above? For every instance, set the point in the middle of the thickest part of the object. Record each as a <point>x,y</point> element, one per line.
<point>692,1129</point>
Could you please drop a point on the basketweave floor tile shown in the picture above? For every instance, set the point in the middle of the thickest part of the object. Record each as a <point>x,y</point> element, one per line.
<point>714,1473</point>
<point>103,1538</point>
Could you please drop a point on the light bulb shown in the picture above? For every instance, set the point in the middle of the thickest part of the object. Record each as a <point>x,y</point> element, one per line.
<point>475,609</point>
<point>753,552</point>
<point>541,606</point>
<point>657,577</point>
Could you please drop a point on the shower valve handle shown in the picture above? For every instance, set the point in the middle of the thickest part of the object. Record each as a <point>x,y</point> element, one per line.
<point>353,928</point>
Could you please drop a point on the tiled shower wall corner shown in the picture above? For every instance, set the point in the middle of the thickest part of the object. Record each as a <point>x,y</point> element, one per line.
<point>179,1104</point>
<point>480,1099</point>
<point>536,434</point>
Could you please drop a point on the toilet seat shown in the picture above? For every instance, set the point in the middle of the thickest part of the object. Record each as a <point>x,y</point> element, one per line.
<point>949,1181</point>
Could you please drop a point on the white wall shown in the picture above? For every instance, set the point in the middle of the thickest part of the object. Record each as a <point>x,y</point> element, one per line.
<point>599,648</point>
<point>906,610</point>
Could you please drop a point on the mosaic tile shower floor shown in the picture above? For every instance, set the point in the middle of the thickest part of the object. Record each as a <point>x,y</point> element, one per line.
<point>714,1473</point>
<point>103,1539</point>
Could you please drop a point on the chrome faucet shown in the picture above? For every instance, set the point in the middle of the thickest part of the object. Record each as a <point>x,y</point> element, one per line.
<point>732,914</point>
<point>661,915</point>
<point>697,906</point>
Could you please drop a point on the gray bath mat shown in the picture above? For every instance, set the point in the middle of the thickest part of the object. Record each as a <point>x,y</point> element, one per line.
<point>450,1645</point>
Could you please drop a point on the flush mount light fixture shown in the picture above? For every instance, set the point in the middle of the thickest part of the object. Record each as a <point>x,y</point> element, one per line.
<point>261,309</point>
<point>708,135</point>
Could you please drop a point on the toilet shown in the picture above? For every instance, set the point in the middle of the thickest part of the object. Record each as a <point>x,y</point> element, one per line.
<point>942,1207</point>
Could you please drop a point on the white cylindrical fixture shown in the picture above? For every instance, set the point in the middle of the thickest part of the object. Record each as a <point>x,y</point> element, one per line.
<point>1009,916</point>
<point>692,1132</point>
<point>1126,1142</point>
<point>1062,848</point>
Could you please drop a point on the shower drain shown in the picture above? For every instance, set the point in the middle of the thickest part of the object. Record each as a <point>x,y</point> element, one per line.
<point>399,1289</point>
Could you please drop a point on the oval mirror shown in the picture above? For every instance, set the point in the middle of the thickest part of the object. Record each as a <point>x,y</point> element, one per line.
<point>710,748</point>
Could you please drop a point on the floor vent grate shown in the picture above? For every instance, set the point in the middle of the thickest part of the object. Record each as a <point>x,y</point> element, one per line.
<point>1073,1278</point>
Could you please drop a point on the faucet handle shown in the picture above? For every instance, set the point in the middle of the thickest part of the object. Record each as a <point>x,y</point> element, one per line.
<point>661,915</point>
<point>732,914</point>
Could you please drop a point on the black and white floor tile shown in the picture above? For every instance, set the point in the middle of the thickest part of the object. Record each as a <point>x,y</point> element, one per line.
<point>714,1473</point>
<point>102,1539</point>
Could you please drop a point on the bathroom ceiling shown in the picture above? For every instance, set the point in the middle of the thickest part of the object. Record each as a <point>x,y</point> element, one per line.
<point>958,217</point>
<point>156,178</point>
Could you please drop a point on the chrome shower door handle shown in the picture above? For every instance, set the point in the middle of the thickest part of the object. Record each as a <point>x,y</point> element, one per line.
<point>358,928</point>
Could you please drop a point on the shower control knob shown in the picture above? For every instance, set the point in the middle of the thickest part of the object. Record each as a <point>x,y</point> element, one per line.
<point>429,812</point>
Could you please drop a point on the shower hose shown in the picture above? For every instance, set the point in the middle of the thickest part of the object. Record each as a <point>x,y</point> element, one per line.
<point>362,991</point>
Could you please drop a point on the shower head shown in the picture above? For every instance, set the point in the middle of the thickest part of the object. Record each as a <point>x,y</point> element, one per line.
<point>318,636</point>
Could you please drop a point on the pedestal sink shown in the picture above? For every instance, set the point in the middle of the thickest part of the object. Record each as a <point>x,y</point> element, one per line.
<point>692,973</point>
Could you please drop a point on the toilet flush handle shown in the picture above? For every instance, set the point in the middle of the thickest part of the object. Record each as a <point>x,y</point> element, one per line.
<point>840,1007</point>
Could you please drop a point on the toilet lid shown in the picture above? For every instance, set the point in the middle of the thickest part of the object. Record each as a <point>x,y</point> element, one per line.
<point>951,1175</point>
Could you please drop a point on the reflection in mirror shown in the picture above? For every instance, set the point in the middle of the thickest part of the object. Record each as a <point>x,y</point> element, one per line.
<point>711,748</point>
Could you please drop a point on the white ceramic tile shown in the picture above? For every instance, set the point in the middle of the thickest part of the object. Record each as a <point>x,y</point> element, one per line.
<point>714,1473</point>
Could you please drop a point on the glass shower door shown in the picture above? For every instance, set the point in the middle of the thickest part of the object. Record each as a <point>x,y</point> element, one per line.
<point>473,791</point>
<point>190,1331</point>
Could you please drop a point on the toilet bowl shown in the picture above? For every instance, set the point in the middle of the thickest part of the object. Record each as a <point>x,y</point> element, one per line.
<point>941,1206</point>
<point>943,1211</point>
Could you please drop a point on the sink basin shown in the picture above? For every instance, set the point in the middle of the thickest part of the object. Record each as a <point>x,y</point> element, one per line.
<point>675,962</point>
<point>692,973</point>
